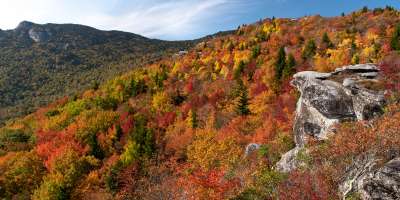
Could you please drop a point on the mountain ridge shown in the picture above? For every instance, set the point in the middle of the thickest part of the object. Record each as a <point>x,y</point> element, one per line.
<point>214,122</point>
<point>41,63</point>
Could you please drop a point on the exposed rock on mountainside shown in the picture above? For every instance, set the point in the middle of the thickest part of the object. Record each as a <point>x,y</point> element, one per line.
<point>347,94</point>
<point>289,160</point>
<point>371,182</point>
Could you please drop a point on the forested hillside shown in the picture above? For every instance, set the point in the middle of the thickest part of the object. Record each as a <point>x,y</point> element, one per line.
<point>178,128</point>
<point>41,63</point>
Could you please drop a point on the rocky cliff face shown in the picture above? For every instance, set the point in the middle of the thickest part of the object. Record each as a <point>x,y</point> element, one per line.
<point>372,182</point>
<point>349,93</point>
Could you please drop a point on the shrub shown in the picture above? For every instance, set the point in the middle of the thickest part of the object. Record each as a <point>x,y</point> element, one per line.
<point>206,151</point>
<point>21,174</point>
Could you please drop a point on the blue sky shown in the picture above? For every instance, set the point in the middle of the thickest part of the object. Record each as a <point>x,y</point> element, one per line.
<point>171,19</point>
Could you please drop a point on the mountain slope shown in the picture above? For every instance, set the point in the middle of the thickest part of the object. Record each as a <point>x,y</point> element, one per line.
<point>40,63</point>
<point>214,123</point>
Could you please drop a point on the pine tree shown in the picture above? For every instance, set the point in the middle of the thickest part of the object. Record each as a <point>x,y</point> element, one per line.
<point>289,67</point>
<point>256,51</point>
<point>239,70</point>
<point>355,59</point>
<point>395,41</point>
<point>242,107</point>
<point>192,119</point>
<point>309,50</point>
<point>280,63</point>
<point>326,41</point>
<point>364,9</point>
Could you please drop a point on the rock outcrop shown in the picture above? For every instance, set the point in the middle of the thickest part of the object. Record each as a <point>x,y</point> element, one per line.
<point>289,160</point>
<point>349,93</point>
<point>250,148</point>
<point>370,182</point>
<point>33,31</point>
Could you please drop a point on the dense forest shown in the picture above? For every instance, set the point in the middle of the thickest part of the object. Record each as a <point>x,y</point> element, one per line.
<point>178,128</point>
<point>41,63</point>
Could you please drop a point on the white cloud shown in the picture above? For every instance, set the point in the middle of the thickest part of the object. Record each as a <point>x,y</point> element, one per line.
<point>169,18</point>
<point>152,18</point>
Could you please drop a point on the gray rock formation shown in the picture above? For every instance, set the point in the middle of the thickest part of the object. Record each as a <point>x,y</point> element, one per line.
<point>250,148</point>
<point>370,182</point>
<point>33,31</point>
<point>289,160</point>
<point>38,35</point>
<point>356,172</point>
<point>349,93</point>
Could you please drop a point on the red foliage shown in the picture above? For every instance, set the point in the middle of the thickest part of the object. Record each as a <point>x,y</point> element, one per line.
<point>304,186</point>
<point>215,96</point>
<point>390,67</point>
<point>258,88</point>
<point>52,144</point>
<point>189,86</point>
<point>211,184</point>
<point>164,120</point>
<point>126,122</point>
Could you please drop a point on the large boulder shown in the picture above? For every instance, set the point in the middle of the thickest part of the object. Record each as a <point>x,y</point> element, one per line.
<point>289,161</point>
<point>348,93</point>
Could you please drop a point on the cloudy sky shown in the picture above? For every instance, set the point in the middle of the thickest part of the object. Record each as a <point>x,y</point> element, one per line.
<point>170,19</point>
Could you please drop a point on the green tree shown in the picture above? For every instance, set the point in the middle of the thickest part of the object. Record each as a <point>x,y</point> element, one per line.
<point>364,9</point>
<point>242,107</point>
<point>239,70</point>
<point>355,59</point>
<point>280,63</point>
<point>143,137</point>
<point>309,50</point>
<point>192,119</point>
<point>326,41</point>
<point>290,66</point>
<point>256,51</point>
<point>395,40</point>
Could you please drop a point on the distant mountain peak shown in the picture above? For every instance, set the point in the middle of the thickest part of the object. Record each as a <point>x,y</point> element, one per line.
<point>24,25</point>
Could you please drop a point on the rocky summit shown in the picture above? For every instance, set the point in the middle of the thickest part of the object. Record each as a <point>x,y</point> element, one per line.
<point>349,93</point>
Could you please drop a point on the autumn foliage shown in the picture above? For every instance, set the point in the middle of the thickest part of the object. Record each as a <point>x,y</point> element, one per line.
<point>179,127</point>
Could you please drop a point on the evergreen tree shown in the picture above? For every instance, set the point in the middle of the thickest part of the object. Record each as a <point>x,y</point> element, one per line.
<point>309,50</point>
<point>239,70</point>
<point>364,9</point>
<point>289,67</point>
<point>256,51</point>
<point>280,63</point>
<point>355,59</point>
<point>395,41</point>
<point>142,136</point>
<point>326,41</point>
<point>192,119</point>
<point>242,107</point>
<point>178,98</point>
